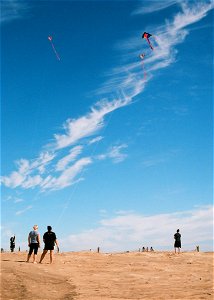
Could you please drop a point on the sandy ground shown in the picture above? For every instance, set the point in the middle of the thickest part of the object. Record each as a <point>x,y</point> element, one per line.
<point>98,276</point>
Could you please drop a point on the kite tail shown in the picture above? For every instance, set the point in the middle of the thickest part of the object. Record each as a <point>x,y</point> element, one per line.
<point>144,71</point>
<point>57,55</point>
<point>149,43</point>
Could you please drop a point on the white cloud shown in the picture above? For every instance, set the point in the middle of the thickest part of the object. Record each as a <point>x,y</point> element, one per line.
<point>18,200</point>
<point>74,152</point>
<point>13,9</point>
<point>151,6</point>
<point>67,177</point>
<point>20,212</point>
<point>131,231</point>
<point>34,173</point>
<point>23,166</point>
<point>129,75</point>
<point>152,161</point>
<point>13,199</point>
<point>14,180</point>
<point>191,14</point>
<point>42,161</point>
<point>114,153</point>
<point>88,125</point>
<point>23,177</point>
<point>95,140</point>
<point>27,178</point>
<point>126,79</point>
<point>32,181</point>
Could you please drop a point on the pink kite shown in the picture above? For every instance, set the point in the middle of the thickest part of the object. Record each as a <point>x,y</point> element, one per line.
<point>50,39</point>
<point>146,36</point>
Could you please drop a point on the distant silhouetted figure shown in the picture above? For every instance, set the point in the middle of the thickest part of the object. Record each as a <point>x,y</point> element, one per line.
<point>151,249</point>
<point>12,243</point>
<point>2,250</point>
<point>49,238</point>
<point>177,244</point>
<point>147,249</point>
<point>143,249</point>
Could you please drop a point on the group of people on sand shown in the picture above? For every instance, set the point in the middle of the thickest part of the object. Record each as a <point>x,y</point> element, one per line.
<point>177,243</point>
<point>49,239</point>
<point>147,249</point>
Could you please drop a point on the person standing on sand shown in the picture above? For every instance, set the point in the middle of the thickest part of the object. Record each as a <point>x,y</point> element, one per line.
<point>12,243</point>
<point>33,243</point>
<point>177,244</point>
<point>49,238</point>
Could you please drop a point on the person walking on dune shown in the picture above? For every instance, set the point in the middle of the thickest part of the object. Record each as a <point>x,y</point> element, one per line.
<point>49,239</point>
<point>33,243</point>
<point>177,244</point>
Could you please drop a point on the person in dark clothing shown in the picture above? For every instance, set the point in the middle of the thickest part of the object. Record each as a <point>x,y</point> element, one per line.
<point>49,239</point>
<point>12,243</point>
<point>177,244</point>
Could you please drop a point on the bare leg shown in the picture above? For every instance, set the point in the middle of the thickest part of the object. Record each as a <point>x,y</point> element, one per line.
<point>51,256</point>
<point>28,257</point>
<point>34,258</point>
<point>43,255</point>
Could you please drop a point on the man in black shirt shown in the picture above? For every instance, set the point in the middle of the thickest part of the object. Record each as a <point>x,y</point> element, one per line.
<point>177,237</point>
<point>49,238</point>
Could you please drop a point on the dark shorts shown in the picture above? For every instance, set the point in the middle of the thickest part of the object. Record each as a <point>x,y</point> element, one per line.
<point>33,248</point>
<point>177,244</point>
<point>49,247</point>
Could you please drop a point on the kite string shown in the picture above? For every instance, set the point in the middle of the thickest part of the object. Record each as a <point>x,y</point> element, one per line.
<point>57,55</point>
<point>81,173</point>
<point>144,71</point>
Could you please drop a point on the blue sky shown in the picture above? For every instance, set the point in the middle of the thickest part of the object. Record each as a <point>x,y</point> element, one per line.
<point>110,150</point>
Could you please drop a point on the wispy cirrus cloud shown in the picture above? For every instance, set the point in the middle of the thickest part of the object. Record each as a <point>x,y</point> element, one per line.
<point>58,167</point>
<point>88,125</point>
<point>114,153</point>
<point>20,212</point>
<point>13,199</point>
<point>127,76</point>
<point>73,153</point>
<point>129,231</point>
<point>18,200</point>
<point>163,158</point>
<point>67,177</point>
<point>25,175</point>
<point>95,140</point>
<point>13,9</point>
<point>146,7</point>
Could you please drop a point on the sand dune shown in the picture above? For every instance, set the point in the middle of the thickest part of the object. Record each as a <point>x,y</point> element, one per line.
<point>99,276</point>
